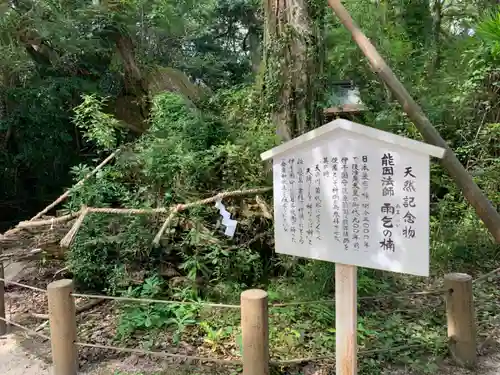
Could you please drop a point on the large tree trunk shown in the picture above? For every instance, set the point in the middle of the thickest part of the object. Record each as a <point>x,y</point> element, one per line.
<point>135,81</point>
<point>293,64</point>
<point>438,20</point>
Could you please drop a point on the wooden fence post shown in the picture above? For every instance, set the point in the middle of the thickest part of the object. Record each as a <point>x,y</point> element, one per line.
<point>62,319</point>
<point>255,332</point>
<point>3,324</point>
<point>460,318</point>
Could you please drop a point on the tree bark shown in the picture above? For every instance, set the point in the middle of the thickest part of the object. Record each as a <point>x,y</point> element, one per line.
<point>135,81</point>
<point>438,20</point>
<point>293,64</point>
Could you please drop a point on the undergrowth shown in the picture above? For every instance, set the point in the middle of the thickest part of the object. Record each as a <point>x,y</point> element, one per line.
<point>190,153</point>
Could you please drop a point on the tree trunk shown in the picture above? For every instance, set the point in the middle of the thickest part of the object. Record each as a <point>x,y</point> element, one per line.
<point>293,64</point>
<point>438,20</point>
<point>135,82</point>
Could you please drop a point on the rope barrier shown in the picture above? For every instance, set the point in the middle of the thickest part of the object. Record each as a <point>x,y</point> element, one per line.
<point>128,211</point>
<point>147,300</point>
<point>29,331</point>
<point>160,354</point>
<point>84,211</point>
<point>143,211</point>
<point>238,362</point>
<point>437,292</point>
<point>41,223</point>
<point>332,356</point>
<point>485,276</point>
<point>365,298</point>
<point>34,288</point>
<point>222,305</point>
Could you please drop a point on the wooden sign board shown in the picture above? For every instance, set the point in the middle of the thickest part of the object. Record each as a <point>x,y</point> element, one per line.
<point>355,195</point>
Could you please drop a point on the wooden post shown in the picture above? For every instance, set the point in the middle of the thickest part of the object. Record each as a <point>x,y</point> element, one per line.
<point>460,317</point>
<point>346,316</point>
<point>62,320</point>
<point>3,324</point>
<point>255,332</point>
<point>463,179</point>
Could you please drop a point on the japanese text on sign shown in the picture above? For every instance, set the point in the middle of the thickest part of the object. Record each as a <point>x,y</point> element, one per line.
<point>354,202</point>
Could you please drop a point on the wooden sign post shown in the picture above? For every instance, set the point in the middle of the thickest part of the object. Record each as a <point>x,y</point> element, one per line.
<point>356,196</point>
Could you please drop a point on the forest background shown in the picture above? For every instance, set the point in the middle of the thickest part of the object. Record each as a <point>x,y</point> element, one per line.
<point>193,92</point>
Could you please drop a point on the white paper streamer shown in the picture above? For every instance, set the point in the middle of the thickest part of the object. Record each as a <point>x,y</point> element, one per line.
<point>226,219</point>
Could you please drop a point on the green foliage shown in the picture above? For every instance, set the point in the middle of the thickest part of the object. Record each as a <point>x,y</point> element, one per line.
<point>98,259</point>
<point>184,151</point>
<point>57,75</point>
<point>97,126</point>
<point>489,31</point>
<point>155,316</point>
<point>215,337</point>
<point>54,53</point>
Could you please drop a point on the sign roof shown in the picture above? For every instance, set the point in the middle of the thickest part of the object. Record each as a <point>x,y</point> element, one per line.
<point>338,125</point>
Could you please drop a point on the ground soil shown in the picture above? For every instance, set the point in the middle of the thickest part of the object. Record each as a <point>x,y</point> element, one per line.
<point>21,354</point>
<point>17,358</point>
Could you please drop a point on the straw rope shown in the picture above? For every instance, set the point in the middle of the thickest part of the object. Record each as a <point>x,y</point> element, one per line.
<point>160,354</point>
<point>26,329</point>
<point>34,288</point>
<point>84,211</point>
<point>149,300</point>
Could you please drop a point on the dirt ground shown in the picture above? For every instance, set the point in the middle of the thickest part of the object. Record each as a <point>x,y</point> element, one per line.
<point>23,355</point>
<point>17,358</point>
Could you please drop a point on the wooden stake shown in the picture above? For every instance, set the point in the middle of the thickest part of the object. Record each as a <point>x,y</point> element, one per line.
<point>346,316</point>
<point>62,327</point>
<point>463,179</point>
<point>460,318</point>
<point>255,332</point>
<point>3,324</point>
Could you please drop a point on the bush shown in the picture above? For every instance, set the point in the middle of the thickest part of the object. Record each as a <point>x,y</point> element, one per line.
<point>187,153</point>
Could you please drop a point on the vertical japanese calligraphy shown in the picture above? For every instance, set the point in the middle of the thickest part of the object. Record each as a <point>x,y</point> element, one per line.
<point>300,198</point>
<point>355,208</point>
<point>293,199</point>
<point>335,199</point>
<point>387,209</point>
<point>317,201</point>
<point>284,196</point>
<point>409,187</point>
<point>365,202</point>
<point>309,206</point>
<point>344,181</point>
<point>354,205</point>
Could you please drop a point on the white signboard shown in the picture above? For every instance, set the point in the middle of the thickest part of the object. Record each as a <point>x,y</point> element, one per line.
<point>355,195</point>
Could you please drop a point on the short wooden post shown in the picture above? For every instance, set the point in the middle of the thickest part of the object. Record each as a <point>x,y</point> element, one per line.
<point>255,332</point>
<point>3,324</point>
<point>62,320</point>
<point>460,317</point>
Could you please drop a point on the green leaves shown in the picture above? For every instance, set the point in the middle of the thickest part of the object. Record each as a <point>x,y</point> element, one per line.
<point>154,316</point>
<point>96,125</point>
<point>489,31</point>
